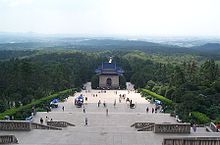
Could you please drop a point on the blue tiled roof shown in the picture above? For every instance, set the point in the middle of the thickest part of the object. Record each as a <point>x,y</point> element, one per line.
<point>109,68</point>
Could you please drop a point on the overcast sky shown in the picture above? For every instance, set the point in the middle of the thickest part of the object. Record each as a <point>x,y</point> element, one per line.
<point>112,17</point>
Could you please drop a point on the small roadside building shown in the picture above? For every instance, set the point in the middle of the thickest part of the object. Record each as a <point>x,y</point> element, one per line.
<point>109,74</point>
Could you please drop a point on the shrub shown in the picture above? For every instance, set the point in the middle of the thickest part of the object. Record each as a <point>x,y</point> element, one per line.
<point>199,118</point>
<point>22,111</point>
<point>146,92</point>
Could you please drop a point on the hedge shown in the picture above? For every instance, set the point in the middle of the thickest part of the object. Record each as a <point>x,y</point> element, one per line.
<point>13,111</point>
<point>200,118</point>
<point>156,96</point>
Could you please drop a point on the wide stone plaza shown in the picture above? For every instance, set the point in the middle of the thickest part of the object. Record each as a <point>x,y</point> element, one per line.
<point>102,129</point>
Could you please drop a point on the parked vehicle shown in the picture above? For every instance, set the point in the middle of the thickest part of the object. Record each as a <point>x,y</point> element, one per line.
<point>79,101</point>
<point>54,103</point>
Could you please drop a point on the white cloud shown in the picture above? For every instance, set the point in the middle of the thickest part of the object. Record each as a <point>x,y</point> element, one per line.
<point>175,17</point>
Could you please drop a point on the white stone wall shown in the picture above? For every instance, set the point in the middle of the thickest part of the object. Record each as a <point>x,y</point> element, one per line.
<point>103,79</point>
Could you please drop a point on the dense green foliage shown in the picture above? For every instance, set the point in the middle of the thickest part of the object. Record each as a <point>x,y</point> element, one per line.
<point>145,92</point>
<point>24,111</point>
<point>191,82</point>
<point>122,82</point>
<point>28,79</point>
<point>192,87</point>
<point>199,118</point>
<point>95,82</point>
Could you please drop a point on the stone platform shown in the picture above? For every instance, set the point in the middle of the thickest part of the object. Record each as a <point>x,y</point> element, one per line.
<point>113,129</point>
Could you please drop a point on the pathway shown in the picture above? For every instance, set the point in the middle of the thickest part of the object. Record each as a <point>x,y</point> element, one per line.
<point>113,129</point>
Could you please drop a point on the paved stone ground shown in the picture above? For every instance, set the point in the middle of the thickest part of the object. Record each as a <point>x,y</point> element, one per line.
<point>113,129</point>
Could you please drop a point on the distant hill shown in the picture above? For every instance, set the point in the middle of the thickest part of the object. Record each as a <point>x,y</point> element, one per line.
<point>36,42</point>
<point>118,42</point>
<point>208,47</point>
<point>208,50</point>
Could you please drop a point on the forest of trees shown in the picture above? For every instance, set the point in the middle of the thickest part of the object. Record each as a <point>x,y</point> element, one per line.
<point>24,80</point>
<point>192,84</point>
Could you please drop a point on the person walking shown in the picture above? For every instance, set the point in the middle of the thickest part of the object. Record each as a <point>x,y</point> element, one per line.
<point>41,120</point>
<point>106,111</point>
<point>99,102</point>
<point>84,109</point>
<point>46,120</point>
<point>114,103</point>
<point>147,109</point>
<point>63,108</point>
<point>152,110</point>
<point>104,104</point>
<point>86,121</point>
<point>194,127</point>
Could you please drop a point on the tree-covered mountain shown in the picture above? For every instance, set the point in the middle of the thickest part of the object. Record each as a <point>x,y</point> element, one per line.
<point>34,67</point>
<point>192,85</point>
<point>208,47</point>
<point>20,42</point>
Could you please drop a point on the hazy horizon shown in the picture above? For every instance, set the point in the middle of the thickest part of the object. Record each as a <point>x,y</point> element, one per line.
<point>196,18</point>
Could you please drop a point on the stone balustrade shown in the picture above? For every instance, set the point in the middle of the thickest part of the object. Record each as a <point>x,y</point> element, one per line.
<point>192,141</point>
<point>162,127</point>
<point>149,127</point>
<point>141,124</point>
<point>172,128</point>
<point>22,125</point>
<point>8,139</point>
<point>213,127</point>
<point>42,126</point>
<point>59,123</point>
<point>15,125</point>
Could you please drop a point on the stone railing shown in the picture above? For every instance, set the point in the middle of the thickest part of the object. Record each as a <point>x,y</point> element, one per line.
<point>59,123</point>
<point>192,141</point>
<point>162,127</point>
<point>172,128</point>
<point>8,139</point>
<point>21,125</point>
<point>15,125</point>
<point>150,127</point>
<point>213,127</point>
<point>141,124</point>
<point>41,126</point>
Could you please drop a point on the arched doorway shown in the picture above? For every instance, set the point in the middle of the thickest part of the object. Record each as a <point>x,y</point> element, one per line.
<point>109,82</point>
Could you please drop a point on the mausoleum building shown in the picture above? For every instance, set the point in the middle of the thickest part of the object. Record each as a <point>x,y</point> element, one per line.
<point>109,74</point>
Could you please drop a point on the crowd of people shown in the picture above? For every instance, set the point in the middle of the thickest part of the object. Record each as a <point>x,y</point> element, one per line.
<point>45,120</point>
<point>122,98</point>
